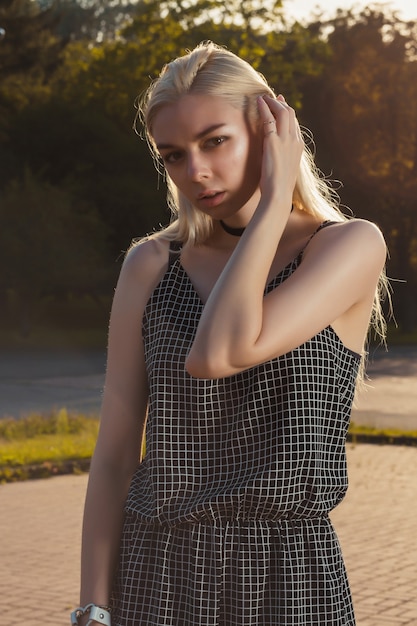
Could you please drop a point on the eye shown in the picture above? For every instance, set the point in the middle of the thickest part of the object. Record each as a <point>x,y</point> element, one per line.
<point>213,142</point>
<point>171,157</point>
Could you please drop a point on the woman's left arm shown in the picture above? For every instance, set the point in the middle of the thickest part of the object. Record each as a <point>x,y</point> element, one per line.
<point>240,327</point>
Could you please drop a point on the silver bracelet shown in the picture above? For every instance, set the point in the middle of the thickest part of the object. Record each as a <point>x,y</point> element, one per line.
<point>97,613</point>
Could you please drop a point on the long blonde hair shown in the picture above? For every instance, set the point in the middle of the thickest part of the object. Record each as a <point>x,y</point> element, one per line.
<point>212,70</point>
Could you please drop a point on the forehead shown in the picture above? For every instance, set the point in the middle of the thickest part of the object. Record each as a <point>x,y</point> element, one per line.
<point>191,115</point>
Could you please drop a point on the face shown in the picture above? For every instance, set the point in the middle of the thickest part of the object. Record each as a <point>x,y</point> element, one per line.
<point>211,154</point>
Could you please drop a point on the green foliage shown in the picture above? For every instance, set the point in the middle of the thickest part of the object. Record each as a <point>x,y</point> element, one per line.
<point>73,172</point>
<point>37,424</point>
<point>49,237</point>
<point>367,131</point>
<point>29,54</point>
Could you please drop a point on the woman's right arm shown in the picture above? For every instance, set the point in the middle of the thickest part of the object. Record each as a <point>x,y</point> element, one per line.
<point>122,422</point>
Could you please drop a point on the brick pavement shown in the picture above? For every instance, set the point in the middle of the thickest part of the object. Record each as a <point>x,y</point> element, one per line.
<point>40,527</point>
<point>377,527</point>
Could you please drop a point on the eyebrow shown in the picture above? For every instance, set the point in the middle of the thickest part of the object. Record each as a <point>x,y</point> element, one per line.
<point>202,133</point>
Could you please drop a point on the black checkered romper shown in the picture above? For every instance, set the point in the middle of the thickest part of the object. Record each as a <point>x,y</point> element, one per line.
<point>227,516</point>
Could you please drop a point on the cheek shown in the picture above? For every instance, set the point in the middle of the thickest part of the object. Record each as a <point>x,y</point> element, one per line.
<point>253,163</point>
<point>241,157</point>
<point>177,175</point>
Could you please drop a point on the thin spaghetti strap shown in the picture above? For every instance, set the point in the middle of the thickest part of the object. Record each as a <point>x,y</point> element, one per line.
<point>174,250</point>
<point>318,229</point>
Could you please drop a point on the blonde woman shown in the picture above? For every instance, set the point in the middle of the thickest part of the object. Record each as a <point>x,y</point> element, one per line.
<point>236,336</point>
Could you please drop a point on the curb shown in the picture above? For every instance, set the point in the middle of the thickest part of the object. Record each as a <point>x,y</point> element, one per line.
<point>47,469</point>
<point>382,439</point>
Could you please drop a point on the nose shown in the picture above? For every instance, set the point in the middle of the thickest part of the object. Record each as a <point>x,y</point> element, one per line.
<point>197,167</point>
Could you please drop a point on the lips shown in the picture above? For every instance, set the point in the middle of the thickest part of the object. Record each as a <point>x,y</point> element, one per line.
<point>207,194</point>
<point>209,199</point>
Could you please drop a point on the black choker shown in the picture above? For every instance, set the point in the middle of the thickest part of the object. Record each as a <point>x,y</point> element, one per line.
<point>236,232</point>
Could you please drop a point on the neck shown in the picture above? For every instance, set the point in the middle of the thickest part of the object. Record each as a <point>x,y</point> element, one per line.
<point>231,230</point>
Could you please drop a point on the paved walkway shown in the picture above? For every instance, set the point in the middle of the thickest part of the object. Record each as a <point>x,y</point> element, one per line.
<point>40,521</point>
<point>40,526</point>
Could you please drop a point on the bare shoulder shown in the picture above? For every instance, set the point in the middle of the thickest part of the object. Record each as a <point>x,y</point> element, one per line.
<point>145,264</point>
<point>357,236</point>
<point>358,229</point>
<point>143,268</point>
<point>147,258</point>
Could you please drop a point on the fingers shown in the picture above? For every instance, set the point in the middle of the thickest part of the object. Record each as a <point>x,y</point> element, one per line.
<point>270,127</point>
<point>283,145</point>
<point>277,116</point>
<point>267,117</point>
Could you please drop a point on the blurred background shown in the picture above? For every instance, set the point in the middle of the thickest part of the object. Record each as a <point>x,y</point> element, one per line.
<point>76,183</point>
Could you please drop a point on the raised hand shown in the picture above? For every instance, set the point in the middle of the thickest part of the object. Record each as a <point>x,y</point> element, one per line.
<point>282,150</point>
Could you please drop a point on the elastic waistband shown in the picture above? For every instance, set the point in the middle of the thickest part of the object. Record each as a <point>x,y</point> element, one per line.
<point>218,521</point>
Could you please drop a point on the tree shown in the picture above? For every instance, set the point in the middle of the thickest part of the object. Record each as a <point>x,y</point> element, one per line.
<point>67,137</point>
<point>29,51</point>
<point>52,244</point>
<point>367,130</point>
<point>29,55</point>
<point>84,132</point>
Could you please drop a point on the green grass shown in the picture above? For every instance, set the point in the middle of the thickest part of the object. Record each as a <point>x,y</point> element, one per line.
<point>39,446</point>
<point>382,436</point>
<point>388,432</point>
<point>47,448</point>
<point>42,445</point>
<point>56,423</point>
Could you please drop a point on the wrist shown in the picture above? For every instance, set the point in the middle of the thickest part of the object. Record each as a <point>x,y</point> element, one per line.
<point>276,201</point>
<point>91,613</point>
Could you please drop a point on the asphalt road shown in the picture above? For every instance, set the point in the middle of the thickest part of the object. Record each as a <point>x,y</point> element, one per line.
<point>43,381</point>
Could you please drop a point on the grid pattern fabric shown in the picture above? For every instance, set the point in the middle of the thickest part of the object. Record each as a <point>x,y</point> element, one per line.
<point>227,516</point>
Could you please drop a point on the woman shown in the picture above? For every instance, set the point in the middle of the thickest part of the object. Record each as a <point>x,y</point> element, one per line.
<point>236,333</point>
